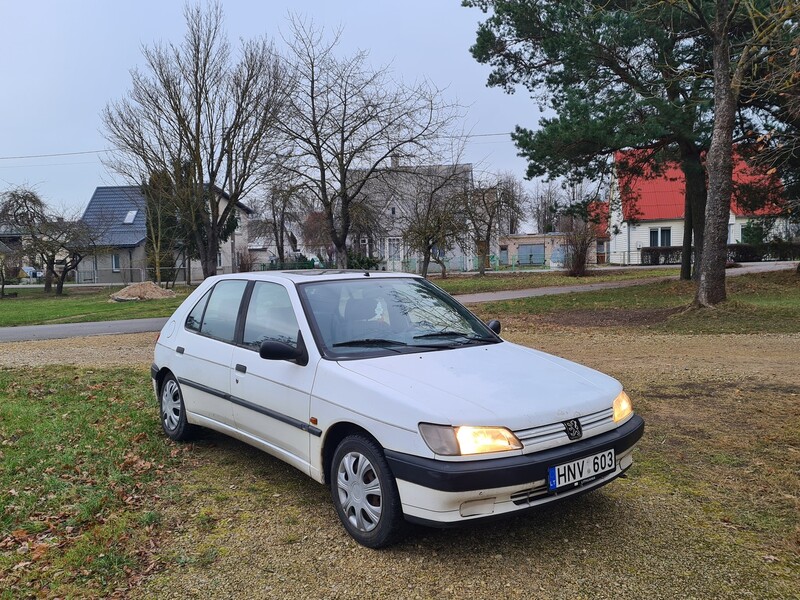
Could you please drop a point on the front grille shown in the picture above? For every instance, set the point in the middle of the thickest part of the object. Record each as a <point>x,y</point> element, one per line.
<point>527,496</point>
<point>553,434</point>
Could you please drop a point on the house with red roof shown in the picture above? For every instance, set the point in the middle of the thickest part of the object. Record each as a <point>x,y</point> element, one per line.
<point>647,208</point>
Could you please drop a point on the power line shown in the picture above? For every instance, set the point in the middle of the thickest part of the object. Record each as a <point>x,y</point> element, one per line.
<point>52,155</point>
<point>57,154</point>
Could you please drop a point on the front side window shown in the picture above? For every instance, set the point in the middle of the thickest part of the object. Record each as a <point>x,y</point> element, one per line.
<point>358,318</point>
<point>270,317</point>
<point>222,310</point>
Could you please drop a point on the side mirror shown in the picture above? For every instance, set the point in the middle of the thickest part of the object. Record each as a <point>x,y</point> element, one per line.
<point>281,351</point>
<point>494,325</point>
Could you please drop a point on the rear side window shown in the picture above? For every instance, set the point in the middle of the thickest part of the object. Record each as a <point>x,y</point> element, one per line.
<point>270,316</point>
<point>221,310</point>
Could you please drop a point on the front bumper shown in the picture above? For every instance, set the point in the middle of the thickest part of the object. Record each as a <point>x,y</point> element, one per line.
<point>440,492</point>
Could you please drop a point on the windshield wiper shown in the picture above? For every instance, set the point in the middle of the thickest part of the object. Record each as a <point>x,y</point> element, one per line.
<point>454,334</point>
<point>368,342</point>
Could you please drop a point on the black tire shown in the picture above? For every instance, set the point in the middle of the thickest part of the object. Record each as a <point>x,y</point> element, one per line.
<point>172,410</point>
<point>365,494</point>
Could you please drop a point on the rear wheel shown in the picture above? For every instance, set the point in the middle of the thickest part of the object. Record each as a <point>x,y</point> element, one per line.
<point>173,411</point>
<point>365,493</point>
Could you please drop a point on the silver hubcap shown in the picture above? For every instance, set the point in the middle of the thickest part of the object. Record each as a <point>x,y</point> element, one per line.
<point>170,405</point>
<point>359,491</point>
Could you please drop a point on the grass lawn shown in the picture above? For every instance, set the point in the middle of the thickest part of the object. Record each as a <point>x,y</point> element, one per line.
<point>80,305</point>
<point>473,284</point>
<point>757,303</point>
<point>83,468</point>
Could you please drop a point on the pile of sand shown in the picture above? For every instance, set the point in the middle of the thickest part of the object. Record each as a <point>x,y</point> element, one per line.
<point>142,291</point>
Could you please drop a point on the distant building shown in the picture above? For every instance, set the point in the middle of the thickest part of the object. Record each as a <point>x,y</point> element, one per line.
<point>117,218</point>
<point>647,211</point>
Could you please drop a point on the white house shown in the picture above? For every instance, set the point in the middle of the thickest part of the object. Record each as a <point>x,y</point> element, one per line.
<point>650,211</point>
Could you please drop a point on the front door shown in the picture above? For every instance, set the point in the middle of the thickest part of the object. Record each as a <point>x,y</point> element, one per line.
<point>271,397</point>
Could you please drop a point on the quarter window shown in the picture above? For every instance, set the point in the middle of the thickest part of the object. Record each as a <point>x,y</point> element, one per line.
<point>195,318</point>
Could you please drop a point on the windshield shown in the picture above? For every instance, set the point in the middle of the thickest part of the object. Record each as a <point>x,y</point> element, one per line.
<point>366,317</point>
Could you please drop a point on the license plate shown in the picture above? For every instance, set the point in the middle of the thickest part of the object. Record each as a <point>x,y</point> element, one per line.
<point>579,471</point>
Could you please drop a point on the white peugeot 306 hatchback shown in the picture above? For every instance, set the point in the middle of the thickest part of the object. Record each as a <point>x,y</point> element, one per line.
<point>385,388</point>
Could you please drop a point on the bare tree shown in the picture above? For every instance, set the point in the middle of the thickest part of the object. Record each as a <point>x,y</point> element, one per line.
<point>490,200</point>
<point>7,259</point>
<point>546,197</point>
<point>199,114</point>
<point>578,220</point>
<point>279,207</point>
<point>429,202</point>
<point>60,243</point>
<point>347,120</point>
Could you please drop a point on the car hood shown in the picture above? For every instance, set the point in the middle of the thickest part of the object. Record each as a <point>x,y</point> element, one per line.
<point>495,384</point>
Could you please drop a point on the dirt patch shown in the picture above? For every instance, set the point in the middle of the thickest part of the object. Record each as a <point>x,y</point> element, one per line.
<point>142,291</point>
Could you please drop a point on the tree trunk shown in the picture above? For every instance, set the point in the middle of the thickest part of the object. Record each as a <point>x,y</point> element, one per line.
<point>426,262</point>
<point>49,273</point>
<point>694,210</point>
<point>686,248</point>
<point>711,287</point>
<point>443,265</point>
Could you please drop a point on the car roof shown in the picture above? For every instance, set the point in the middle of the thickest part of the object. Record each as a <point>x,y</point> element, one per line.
<point>315,275</point>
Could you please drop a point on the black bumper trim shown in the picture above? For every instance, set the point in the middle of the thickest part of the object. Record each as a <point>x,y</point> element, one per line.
<point>492,473</point>
<point>153,371</point>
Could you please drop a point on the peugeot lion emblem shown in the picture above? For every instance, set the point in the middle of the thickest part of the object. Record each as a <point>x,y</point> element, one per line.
<point>573,429</point>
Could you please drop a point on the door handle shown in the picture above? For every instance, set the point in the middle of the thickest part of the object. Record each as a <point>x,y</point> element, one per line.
<point>241,368</point>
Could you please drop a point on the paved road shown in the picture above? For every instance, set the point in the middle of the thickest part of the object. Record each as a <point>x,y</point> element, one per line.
<point>68,330</point>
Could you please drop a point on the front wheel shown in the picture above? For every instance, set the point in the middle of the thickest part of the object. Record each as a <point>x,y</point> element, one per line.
<point>173,411</point>
<point>365,493</point>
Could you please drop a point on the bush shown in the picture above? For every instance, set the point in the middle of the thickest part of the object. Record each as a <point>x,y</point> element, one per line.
<point>362,261</point>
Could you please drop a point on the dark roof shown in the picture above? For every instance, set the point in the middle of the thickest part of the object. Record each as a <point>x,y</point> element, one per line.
<point>107,213</point>
<point>4,249</point>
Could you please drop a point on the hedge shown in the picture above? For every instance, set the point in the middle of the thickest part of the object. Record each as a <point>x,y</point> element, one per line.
<point>774,250</point>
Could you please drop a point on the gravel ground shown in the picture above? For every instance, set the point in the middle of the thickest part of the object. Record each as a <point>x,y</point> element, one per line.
<point>244,525</point>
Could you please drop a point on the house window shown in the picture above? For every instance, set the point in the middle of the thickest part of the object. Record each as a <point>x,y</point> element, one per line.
<point>219,259</point>
<point>115,263</point>
<point>393,211</point>
<point>660,237</point>
<point>130,217</point>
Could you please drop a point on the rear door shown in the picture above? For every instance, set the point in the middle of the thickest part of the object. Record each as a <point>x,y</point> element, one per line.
<point>203,354</point>
<point>271,398</point>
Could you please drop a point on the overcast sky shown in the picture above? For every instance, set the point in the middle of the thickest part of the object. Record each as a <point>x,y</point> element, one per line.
<point>64,60</point>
